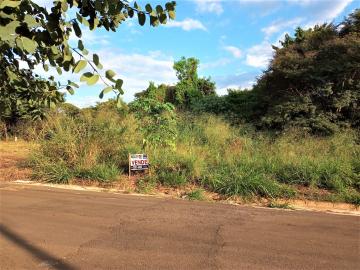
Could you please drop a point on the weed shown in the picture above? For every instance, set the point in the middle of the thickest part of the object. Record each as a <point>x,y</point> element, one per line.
<point>285,205</point>
<point>196,194</point>
<point>146,185</point>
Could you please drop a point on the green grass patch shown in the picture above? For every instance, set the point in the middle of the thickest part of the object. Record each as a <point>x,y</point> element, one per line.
<point>196,195</point>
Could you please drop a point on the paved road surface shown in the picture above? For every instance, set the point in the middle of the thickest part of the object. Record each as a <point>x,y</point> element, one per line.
<point>43,228</point>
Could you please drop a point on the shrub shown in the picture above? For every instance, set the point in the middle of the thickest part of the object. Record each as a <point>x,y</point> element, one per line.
<point>53,172</point>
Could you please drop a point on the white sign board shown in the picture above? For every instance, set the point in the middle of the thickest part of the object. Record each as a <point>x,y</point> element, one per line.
<point>138,162</point>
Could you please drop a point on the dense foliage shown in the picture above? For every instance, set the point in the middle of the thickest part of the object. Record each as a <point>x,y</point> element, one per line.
<point>313,81</point>
<point>188,90</point>
<point>31,36</point>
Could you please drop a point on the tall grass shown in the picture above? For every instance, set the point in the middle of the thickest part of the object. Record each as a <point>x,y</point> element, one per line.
<point>231,160</point>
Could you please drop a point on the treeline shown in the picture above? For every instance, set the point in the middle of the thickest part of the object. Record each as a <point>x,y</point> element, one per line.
<point>312,82</point>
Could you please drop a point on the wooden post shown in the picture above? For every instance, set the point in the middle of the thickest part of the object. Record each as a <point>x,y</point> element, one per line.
<point>129,166</point>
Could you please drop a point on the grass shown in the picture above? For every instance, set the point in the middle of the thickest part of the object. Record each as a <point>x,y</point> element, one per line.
<point>196,195</point>
<point>285,205</point>
<point>13,159</point>
<point>209,153</point>
<point>146,185</point>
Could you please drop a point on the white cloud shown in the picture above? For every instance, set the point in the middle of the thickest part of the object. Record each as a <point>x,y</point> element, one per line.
<point>278,26</point>
<point>323,10</point>
<point>215,64</point>
<point>236,52</point>
<point>211,6</point>
<point>90,38</point>
<point>187,24</point>
<point>84,101</point>
<point>259,55</point>
<point>235,81</point>
<point>138,69</point>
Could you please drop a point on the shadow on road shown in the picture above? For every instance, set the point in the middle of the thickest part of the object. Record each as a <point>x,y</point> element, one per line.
<point>50,260</point>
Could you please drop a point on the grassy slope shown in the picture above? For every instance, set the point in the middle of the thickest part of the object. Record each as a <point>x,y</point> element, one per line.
<point>209,154</point>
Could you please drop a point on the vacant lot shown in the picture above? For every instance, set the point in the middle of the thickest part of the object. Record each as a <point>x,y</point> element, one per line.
<point>13,158</point>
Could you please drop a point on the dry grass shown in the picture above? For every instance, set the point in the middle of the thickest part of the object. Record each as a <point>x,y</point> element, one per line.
<point>13,156</point>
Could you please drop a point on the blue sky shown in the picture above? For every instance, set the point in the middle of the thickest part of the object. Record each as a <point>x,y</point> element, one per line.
<point>232,39</point>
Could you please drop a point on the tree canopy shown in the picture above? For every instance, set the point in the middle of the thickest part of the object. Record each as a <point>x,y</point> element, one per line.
<point>31,35</point>
<point>312,82</point>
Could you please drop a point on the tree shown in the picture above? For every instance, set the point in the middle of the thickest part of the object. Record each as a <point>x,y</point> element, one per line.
<point>190,87</point>
<point>158,122</point>
<point>206,86</point>
<point>313,81</point>
<point>31,35</point>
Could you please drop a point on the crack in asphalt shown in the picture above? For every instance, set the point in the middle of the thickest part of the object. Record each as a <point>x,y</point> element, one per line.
<point>110,230</point>
<point>216,245</point>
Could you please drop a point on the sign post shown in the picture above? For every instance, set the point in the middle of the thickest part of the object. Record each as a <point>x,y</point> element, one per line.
<point>138,162</point>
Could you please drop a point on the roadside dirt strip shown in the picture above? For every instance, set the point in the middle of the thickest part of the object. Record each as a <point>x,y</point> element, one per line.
<point>49,228</point>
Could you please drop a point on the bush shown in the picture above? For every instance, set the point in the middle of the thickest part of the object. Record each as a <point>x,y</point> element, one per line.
<point>52,172</point>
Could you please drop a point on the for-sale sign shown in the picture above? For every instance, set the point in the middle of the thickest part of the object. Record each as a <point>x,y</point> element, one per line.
<point>138,162</point>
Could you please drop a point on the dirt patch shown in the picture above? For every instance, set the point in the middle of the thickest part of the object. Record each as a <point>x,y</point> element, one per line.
<point>13,156</point>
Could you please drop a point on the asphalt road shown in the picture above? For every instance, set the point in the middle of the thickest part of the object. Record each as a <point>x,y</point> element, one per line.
<point>43,228</point>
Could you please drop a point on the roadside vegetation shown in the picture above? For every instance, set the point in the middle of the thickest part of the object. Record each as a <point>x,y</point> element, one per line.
<point>209,153</point>
<point>294,135</point>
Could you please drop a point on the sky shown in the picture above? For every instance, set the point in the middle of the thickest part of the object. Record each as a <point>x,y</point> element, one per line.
<point>232,39</point>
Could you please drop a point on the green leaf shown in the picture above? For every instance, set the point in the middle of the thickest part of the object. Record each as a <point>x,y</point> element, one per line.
<point>77,29</point>
<point>89,78</point>
<point>141,18</point>
<point>163,18</point>
<point>110,74</point>
<point>81,64</point>
<point>169,6</point>
<point>64,6</point>
<point>30,20</point>
<point>70,90</point>
<point>93,79</point>
<point>96,59</point>
<point>73,84</point>
<point>137,6</point>
<point>29,45</point>
<point>59,71</point>
<point>154,21</point>
<point>118,84</point>
<point>172,14</point>
<point>7,32</point>
<point>148,8</point>
<point>85,76</point>
<point>80,45</point>
<point>9,3</point>
<point>105,91</point>
<point>131,13</point>
<point>46,67</point>
<point>159,9</point>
